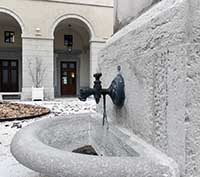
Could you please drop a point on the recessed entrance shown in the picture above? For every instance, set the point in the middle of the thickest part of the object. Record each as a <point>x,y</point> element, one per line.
<point>9,76</point>
<point>68,78</point>
<point>10,56</point>
<point>71,57</point>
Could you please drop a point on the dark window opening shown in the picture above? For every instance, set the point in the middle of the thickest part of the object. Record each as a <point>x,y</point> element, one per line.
<point>9,37</point>
<point>68,40</point>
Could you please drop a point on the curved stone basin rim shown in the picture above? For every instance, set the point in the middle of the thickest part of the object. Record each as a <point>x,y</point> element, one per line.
<point>29,150</point>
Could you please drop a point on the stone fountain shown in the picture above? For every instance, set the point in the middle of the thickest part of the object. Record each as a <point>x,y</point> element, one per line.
<point>154,131</point>
<point>81,146</point>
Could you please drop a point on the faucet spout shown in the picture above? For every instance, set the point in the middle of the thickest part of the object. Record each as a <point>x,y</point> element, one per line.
<point>95,91</point>
<point>115,91</point>
<point>85,93</point>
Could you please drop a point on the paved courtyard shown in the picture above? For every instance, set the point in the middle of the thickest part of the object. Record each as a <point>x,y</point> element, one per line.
<point>9,167</point>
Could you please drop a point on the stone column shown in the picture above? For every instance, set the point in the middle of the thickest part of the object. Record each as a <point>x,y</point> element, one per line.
<point>43,50</point>
<point>95,47</point>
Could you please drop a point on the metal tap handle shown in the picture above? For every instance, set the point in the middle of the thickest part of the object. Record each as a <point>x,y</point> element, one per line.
<point>97,76</point>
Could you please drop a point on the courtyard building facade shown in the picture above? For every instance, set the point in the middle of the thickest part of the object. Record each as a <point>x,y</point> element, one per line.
<point>52,44</point>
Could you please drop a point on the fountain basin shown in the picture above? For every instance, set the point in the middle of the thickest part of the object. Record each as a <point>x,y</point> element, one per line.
<point>46,147</point>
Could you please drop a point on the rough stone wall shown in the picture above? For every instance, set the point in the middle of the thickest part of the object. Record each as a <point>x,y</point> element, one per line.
<point>127,10</point>
<point>192,143</point>
<point>158,53</point>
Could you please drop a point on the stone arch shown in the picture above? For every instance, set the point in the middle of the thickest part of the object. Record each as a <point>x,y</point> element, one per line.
<point>73,16</point>
<point>12,53</point>
<point>15,16</point>
<point>78,55</point>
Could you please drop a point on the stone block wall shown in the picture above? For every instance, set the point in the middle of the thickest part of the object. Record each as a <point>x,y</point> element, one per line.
<point>127,10</point>
<point>192,139</point>
<point>159,56</point>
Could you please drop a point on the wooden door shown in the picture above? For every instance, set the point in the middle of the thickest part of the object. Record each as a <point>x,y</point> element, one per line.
<point>9,76</point>
<point>68,78</point>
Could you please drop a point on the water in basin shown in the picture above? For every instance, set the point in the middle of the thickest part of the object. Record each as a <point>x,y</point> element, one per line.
<point>73,134</point>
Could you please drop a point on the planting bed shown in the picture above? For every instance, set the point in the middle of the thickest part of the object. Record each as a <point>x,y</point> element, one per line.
<point>14,111</point>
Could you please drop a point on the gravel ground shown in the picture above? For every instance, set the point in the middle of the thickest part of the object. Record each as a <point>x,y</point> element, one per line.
<point>9,167</point>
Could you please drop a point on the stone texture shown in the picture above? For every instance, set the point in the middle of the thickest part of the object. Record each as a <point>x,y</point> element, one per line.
<point>95,47</point>
<point>9,167</point>
<point>158,53</point>
<point>128,10</point>
<point>192,122</point>
<point>53,140</point>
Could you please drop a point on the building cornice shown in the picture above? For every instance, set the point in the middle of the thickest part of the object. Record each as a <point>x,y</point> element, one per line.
<point>77,3</point>
<point>98,40</point>
<point>93,40</point>
<point>36,37</point>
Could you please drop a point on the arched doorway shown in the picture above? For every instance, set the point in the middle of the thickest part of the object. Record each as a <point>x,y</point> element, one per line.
<point>71,56</point>
<point>10,53</point>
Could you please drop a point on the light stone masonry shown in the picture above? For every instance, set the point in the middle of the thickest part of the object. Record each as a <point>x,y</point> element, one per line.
<point>41,35</point>
<point>43,50</point>
<point>158,53</point>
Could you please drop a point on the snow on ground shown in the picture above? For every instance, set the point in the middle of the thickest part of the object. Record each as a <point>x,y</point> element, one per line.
<point>9,167</point>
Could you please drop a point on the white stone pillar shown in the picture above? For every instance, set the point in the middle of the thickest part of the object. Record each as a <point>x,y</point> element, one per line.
<point>43,50</point>
<point>95,47</point>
